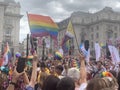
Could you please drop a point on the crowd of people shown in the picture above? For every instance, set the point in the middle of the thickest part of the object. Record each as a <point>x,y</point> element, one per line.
<point>61,75</point>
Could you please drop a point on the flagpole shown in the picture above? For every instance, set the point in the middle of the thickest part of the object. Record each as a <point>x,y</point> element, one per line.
<point>27,49</point>
<point>76,40</point>
<point>28,20</point>
<point>30,35</point>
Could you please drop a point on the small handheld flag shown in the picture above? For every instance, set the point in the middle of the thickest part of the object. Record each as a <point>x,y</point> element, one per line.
<point>7,55</point>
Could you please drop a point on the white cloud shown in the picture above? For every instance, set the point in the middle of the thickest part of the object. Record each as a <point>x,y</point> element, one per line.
<point>60,9</point>
<point>117,5</point>
<point>24,28</point>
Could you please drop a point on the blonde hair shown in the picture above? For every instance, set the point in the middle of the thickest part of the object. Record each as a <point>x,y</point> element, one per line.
<point>41,78</point>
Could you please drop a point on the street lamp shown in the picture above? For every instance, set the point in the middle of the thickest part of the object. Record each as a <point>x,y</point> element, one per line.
<point>43,50</point>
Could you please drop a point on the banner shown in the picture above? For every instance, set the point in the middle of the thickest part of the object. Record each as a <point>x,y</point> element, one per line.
<point>61,51</point>
<point>97,51</point>
<point>114,53</point>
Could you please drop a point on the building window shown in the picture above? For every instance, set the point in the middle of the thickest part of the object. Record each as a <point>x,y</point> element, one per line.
<point>92,36</point>
<point>115,28</point>
<point>109,34</point>
<point>8,20</point>
<point>82,20</point>
<point>97,27</point>
<point>97,18</point>
<point>115,35</point>
<point>82,35</point>
<point>92,30</point>
<point>83,29</point>
<point>92,45</point>
<point>97,35</point>
<point>91,19</point>
<point>8,32</point>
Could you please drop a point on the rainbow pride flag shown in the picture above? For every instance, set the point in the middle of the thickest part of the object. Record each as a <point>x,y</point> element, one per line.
<point>42,26</point>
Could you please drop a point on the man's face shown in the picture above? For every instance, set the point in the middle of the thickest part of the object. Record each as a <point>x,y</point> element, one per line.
<point>42,69</point>
<point>52,69</point>
<point>99,64</point>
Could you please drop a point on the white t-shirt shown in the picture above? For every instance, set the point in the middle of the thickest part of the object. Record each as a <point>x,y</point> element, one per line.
<point>83,86</point>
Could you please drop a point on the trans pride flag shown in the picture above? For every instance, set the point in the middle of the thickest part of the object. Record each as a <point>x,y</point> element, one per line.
<point>7,55</point>
<point>66,47</point>
<point>69,33</point>
<point>42,26</point>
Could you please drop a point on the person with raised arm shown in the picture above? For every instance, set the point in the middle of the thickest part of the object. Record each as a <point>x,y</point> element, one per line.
<point>83,73</point>
<point>32,82</point>
<point>13,82</point>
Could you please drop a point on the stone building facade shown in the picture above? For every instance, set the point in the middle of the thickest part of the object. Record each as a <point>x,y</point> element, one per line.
<point>9,24</point>
<point>95,27</point>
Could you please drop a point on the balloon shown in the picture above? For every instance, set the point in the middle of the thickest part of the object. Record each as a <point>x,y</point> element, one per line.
<point>17,54</point>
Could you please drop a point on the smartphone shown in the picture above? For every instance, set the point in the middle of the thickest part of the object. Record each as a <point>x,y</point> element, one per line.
<point>21,64</point>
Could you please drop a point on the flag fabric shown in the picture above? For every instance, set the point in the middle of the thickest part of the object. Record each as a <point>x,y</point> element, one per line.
<point>69,33</point>
<point>66,47</point>
<point>114,53</point>
<point>61,51</point>
<point>85,52</point>
<point>97,51</point>
<point>42,26</point>
<point>7,55</point>
<point>88,55</point>
<point>102,45</point>
<point>117,41</point>
<point>82,48</point>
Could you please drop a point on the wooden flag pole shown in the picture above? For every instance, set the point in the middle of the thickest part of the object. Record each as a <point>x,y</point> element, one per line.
<point>27,49</point>
<point>30,35</point>
<point>76,40</point>
<point>28,20</point>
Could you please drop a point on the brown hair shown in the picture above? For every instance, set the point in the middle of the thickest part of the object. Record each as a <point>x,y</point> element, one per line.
<point>42,78</point>
<point>102,83</point>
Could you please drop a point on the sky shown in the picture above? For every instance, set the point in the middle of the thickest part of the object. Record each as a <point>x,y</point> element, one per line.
<point>60,9</point>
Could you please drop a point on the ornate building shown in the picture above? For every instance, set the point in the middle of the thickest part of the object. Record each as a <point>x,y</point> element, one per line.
<point>9,24</point>
<point>95,27</point>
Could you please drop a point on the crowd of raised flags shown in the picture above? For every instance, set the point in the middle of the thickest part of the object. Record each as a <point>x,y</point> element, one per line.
<point>41,26</point>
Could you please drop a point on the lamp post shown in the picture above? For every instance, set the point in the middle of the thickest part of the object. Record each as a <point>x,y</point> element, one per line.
<point>43,50</point>
<point>0,48</point>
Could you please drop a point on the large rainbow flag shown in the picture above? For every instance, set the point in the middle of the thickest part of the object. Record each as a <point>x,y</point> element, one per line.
<point>42,26</point>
